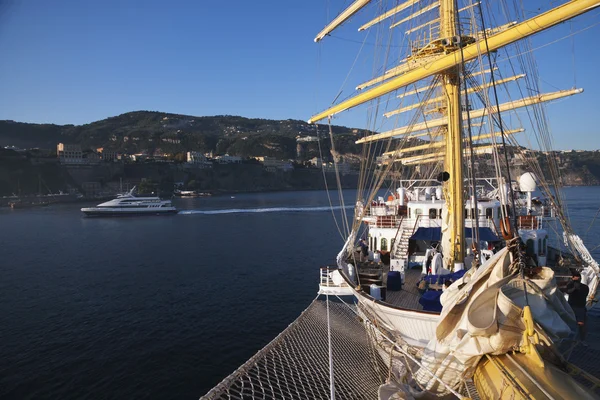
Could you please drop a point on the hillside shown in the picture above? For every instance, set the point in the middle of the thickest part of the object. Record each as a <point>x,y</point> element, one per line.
<point>150,131</point>
<point>155,132</point>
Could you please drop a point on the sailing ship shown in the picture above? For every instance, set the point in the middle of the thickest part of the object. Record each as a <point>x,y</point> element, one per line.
<point>456,275</point>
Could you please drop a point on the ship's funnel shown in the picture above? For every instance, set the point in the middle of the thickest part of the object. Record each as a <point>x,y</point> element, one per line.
<point>527,182</point>
<point>402,195</point>
<point>428,192</point>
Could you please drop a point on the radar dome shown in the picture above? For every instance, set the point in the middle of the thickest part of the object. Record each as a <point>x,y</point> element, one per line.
<point>527,182</point>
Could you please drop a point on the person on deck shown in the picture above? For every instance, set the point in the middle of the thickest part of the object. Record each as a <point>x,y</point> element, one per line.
<point>578,293</point>
<point>364,249</point>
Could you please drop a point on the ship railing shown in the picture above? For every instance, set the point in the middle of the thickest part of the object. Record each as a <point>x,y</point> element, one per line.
<point>547,212</point>
<point>387,221</point>
<point>482,221</point>
<point>424,221</point>
<point>530,222</point>
<point>382,210</point>
<point>395,240</point>
<point>331,281</point>
<point>416,224</point>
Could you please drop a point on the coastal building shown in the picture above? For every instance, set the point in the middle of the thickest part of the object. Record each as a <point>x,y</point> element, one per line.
<point>139,157</point>
<point>107,155</point>
<point>69,153</point>
<point>342,168</point>
<point>198,159</point>
<point>227,159</point>
<point>272,164</point>
<point>91,157</point>
<point>316,162</point>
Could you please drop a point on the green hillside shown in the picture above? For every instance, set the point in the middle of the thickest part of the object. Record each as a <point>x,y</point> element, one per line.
<point>172,133</point>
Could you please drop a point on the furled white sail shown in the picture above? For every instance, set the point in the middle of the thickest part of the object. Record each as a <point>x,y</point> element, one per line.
<point>482,314</point>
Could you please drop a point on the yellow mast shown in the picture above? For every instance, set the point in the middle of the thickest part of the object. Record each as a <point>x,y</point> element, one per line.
<point>454,142</point>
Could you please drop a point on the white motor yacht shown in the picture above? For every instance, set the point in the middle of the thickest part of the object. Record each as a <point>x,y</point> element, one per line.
<point>127,204</point>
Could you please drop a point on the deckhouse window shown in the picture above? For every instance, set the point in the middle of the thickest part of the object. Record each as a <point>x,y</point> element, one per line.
<point>543,250</point>
<point>384,244</point>
<point>432,213</point>
<point>489,213</point>
<point>530,247</point>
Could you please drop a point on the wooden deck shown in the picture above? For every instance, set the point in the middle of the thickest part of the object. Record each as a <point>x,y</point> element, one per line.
<point>408,297</point>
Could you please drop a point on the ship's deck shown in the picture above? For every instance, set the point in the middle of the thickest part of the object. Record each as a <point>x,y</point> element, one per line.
<point>409,296</point>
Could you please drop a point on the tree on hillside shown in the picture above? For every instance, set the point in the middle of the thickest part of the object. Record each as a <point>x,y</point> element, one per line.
<point>192,185</point>
<point>147,186</point>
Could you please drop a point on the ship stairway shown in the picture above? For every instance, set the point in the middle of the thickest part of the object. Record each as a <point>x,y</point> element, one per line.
<point>401,248</point>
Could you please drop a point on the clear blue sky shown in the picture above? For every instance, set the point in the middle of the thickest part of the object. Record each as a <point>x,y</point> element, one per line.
<point>77,61</point>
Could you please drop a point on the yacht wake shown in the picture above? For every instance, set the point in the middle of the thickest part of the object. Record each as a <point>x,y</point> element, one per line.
<point>262,210</point>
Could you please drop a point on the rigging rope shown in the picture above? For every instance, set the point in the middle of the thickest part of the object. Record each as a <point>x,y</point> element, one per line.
<point>345,225</point>
<point>573,53</point>
<point>331,375</point>
<point>327,186</point>
<point>499,116</point>
<point>474,234</point>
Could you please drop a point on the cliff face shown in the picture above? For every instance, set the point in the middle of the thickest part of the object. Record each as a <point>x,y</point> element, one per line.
<point>579,177</point>
<point>23,174</point>
<point>251,178</point>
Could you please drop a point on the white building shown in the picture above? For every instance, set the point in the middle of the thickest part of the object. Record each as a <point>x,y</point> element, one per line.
<point>307,139</point>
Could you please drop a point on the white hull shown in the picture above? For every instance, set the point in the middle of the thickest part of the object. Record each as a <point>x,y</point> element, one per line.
<point>109,211</point>
<point>130,205</point>
<point>414,327</point>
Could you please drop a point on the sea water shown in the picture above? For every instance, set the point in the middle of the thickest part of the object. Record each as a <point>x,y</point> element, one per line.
<point>166,307</point>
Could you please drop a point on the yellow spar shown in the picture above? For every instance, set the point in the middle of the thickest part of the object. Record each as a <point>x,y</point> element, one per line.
<point>511,105</point>
<point>440,98</point>
<point>340,19</point>
<point>388,14</point>
<point>527,28</point>
<point>442,144</point>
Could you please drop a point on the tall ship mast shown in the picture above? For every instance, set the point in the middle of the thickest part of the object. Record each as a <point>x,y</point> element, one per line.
<point>455,274</point>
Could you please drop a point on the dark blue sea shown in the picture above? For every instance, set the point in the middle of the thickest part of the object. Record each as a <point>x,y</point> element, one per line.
<point>165,307</point>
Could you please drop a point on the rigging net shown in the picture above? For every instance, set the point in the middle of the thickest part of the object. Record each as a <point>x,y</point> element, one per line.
<point>295,365</point>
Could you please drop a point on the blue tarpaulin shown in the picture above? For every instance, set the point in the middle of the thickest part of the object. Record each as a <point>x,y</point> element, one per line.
<point>435,234</point>
<point>485,234</point>
<point>432,234</point>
